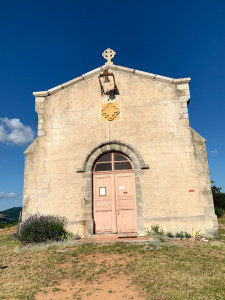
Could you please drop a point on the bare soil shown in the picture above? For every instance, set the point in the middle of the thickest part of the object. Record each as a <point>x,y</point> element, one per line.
<point>113,284</point>
<point>115,289</point>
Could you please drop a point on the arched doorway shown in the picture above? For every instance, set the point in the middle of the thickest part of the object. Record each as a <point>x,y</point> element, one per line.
<point>114,194</point>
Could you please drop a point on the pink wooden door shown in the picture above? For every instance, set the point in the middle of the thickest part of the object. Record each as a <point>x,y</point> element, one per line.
<point>104,204</point>
<point>125,202</point>
<point>114,198</point>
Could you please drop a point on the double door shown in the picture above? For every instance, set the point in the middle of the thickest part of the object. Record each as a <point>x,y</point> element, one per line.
<point>115,208</point>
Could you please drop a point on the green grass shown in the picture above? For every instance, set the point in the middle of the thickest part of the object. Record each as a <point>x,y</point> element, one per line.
<point>221,236</point>
<point>221,220</point>
<point>182,273</point>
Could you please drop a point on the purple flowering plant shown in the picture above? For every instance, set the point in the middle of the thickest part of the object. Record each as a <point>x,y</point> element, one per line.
<point>41,228</point>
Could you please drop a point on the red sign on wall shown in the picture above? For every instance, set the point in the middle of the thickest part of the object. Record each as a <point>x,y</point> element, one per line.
<point>191,191</point>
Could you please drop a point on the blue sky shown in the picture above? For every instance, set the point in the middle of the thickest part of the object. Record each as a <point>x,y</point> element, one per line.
<point>46,43</point>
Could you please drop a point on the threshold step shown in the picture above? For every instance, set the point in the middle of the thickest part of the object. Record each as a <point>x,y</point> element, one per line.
<point>127,235</point>
<point>114,235</point>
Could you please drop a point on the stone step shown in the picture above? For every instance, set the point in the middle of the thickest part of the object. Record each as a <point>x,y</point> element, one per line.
<point>114,236</point>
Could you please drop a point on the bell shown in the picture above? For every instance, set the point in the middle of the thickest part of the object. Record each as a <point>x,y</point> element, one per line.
<point>106,79</point>
<point>106,84</point>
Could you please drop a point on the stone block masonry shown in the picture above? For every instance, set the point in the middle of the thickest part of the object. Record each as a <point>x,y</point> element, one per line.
<point>152,130</point>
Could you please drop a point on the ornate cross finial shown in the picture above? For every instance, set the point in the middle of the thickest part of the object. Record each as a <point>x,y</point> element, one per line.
<point>108,54</point>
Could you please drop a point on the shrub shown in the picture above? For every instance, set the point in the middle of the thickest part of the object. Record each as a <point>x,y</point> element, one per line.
<point>180,234</point>
<point>187,235</point>
<point>169,234</point>
<point>219,212</point>
<point>157,229</point>
<point>39,228</point>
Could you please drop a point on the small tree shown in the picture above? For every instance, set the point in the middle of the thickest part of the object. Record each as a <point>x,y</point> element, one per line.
<point>218,199</point>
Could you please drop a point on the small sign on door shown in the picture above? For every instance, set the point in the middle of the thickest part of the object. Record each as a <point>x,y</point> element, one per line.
<point>122,187</point>
<point>102,191</point>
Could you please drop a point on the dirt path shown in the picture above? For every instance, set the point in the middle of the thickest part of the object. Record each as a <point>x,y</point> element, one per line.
<point>107,280</point>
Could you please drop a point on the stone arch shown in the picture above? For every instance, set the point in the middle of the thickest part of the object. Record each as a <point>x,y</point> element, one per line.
<point>113,145</point>
<point>86,169</point>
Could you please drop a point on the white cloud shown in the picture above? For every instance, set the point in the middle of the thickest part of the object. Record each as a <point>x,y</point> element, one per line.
<point>214,152</point>
<point>13,131</point>
<point>2,133</point>
<point>11,195</point>
<point>5,196</point>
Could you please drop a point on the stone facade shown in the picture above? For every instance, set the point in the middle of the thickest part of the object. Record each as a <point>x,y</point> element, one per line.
<point>171,170</point>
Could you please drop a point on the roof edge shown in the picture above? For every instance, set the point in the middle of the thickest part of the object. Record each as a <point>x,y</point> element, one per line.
<point>112,67</point>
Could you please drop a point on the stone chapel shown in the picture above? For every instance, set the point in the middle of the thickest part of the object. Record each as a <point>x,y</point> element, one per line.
<point>115,154</point>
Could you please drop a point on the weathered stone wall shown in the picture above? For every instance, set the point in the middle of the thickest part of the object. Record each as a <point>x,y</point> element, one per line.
<point>174,192</point>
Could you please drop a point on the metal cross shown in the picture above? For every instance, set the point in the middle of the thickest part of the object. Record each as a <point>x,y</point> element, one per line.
<point>108,54</point>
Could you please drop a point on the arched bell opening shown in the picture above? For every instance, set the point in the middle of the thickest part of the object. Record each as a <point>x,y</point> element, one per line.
<point>114,194</point>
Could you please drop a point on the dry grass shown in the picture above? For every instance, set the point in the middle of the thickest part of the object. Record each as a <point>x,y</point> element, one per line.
<point>195,271</point>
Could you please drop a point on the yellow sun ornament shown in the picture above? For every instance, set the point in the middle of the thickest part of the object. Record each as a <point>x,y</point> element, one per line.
<point>110,111</point>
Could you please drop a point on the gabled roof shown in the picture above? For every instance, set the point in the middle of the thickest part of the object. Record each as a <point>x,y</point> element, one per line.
<point>110,66</point>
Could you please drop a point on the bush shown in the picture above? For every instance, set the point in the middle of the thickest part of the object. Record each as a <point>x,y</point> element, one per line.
<point>39,228</point>
<point>187,235</point>
<point>169,234</point>
<point>180,234</point>
<point>157,229</point>
<point>219,212</point>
